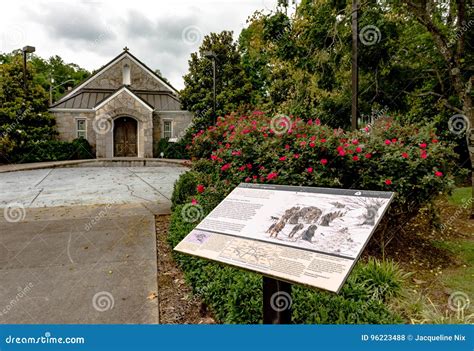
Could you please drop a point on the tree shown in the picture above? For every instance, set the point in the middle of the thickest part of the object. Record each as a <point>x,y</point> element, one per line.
<point>24,117</point>
<point>450,26</point>
<point>232,85</point>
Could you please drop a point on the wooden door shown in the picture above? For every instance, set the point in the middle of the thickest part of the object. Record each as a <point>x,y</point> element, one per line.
<point>125,137</point>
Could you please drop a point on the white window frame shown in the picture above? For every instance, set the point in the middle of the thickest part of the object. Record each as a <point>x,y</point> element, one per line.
<point>170,121</point>
<point>85,127</point>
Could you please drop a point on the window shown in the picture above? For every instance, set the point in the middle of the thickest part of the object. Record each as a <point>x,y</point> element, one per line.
<point>81,128</point>
<point>126,75</point>
<point>167,132</point>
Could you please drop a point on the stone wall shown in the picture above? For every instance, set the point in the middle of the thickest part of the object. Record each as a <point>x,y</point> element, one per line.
<point>112,78</point>
<point>181,120</point>
<point>66,125</point>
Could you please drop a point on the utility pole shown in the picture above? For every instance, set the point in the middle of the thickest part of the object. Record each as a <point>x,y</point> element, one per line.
<point>212,55</point>
<point>355,66</point>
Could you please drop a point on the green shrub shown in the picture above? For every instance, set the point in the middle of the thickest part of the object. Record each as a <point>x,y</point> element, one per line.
<point>83,149</point>
<point>185,187</point>
<point>55,150</point>
<point>173,150</point>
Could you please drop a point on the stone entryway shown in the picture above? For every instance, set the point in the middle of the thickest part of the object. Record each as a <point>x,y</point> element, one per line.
<point>125,137</point>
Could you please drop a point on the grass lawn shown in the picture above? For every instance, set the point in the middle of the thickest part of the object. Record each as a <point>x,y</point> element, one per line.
<point>460,196</point>
<point>441,261</point>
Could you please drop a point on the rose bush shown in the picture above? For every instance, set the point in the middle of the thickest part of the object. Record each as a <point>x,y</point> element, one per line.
<point>409,160</point>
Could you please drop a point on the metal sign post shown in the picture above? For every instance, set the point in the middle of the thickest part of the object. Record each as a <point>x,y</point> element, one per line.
<point>276,301</point>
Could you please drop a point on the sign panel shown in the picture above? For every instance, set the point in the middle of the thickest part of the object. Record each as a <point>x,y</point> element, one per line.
<point>307,235</point>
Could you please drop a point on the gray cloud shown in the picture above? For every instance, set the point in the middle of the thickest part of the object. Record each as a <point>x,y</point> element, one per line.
<point>163,35</point>
<point>90,33</point>
<point>73,22</point>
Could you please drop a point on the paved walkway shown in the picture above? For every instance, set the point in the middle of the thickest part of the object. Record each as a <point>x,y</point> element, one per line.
<point>78,245</point>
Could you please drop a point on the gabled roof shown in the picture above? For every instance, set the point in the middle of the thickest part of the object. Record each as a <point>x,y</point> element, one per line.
<point>87,98</point>
<point>127,54</point>
<point>128,91</point>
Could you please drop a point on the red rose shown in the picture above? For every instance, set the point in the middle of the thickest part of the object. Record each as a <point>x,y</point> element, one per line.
<point>355,158</point>
<point>194,201</point>
<point>225,167</point>
<point>283,158</point>
<point>296,155</point>
<point>358,149</point>
<point>200,188</point>
<point>287,146</point>
<point>312,144</point>
<point>394,140</point>
<point>388,181</point>
<point>248,179</point>
<point>355,141</point>
<point>271,176</point>
<point>369,155</point>
<point>317,121</point>
<point>438,174</point>
<point>387,142</point>
<point>423,145</point>
<point>323,140</point>
<point>324,161</point>
<point>342,153</point>
<point>309,169</point>
<point>404,155</point>
<point>434,141</point>
<point>423,154</point>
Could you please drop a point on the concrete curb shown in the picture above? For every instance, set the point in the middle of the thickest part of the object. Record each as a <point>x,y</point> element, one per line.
<point>101,162</point>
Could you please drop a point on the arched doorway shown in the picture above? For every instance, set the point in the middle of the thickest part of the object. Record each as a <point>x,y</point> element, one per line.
<point>125,137</point>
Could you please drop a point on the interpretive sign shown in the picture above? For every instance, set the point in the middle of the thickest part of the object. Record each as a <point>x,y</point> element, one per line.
<point>307,235</point>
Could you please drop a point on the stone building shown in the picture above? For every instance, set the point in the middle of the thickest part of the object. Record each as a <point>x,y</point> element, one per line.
<point>123,110</point>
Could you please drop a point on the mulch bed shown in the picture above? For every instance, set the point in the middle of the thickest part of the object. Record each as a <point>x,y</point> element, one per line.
<point>177,304</point>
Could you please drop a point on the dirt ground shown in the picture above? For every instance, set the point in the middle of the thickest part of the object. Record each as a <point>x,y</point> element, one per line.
<point>421,250</point>
<point>177,304</point>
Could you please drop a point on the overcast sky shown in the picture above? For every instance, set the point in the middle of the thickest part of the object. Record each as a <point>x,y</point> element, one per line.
<point>90,33</point>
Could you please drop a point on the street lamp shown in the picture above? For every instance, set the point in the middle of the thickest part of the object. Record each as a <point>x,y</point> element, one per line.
<point>51,88</point>
<point>26,50</point>
<point>212,55</point>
